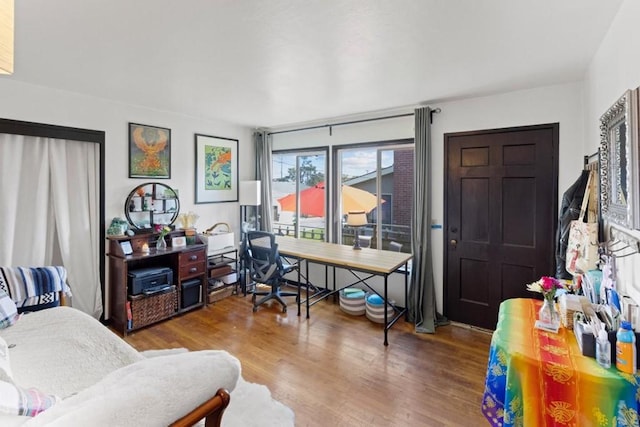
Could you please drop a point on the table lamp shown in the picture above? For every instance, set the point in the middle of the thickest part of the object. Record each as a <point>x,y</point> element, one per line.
<point>356,219</point>
<point>249,196</point>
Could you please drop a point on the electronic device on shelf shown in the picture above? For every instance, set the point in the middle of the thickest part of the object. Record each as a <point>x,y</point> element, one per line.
<point>157,289</point>
<point>149,278</point>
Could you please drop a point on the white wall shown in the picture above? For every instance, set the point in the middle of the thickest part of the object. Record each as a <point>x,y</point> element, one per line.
<point>614,69</point>
<point>562,103</point>
<point>19,101</point>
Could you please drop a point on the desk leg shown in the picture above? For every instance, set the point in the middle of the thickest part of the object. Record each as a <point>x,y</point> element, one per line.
<point>333,268</point>
<point>299,284</point>
<point>386,312</point>
<point>307,270</point>
<point>406,291</point>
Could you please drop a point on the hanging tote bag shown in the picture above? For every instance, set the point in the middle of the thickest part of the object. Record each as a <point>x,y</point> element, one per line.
<point>582,248</point>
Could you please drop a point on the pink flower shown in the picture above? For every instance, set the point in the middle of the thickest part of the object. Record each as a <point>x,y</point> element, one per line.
<point>547,286</point>
<point>549,283</point>
<point>162,229</point>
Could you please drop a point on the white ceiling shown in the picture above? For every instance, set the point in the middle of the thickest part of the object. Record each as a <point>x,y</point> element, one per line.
<point>276,62</point>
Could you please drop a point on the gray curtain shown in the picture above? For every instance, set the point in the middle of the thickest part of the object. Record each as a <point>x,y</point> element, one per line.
<point>264,165</point>
<point>422,294</point>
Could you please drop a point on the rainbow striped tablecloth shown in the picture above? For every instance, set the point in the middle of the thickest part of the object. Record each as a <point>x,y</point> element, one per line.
<point>538,378</point>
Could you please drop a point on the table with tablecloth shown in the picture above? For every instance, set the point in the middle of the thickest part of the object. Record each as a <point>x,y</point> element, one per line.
<point>539,378</point>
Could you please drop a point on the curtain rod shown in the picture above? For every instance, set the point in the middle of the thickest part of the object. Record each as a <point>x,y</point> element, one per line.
<point>435,110</point>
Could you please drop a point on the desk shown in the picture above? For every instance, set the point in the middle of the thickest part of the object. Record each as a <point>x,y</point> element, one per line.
<point>369,261</point>
<point>538,378</point>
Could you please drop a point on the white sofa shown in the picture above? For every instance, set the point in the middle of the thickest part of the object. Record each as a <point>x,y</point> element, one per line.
<point>103,381</point>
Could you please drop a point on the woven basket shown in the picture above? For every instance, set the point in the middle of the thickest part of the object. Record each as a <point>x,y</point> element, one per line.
<point>375,312</point>
<point>219,294</point>
<point>212,229</point>
<point>146,310</point>
<point>568,309</point>
<point>353,306</point>
<point>567,316</point>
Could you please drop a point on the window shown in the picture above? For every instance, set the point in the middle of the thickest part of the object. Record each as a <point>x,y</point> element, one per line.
<point>379,180</point>
<point>299,194</point>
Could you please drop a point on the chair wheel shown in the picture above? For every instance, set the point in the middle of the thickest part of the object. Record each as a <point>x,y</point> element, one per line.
<point>284,309</point>
<point>255,309</point>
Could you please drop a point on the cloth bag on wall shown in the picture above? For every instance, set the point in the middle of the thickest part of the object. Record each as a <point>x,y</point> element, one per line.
<point>582,248</point>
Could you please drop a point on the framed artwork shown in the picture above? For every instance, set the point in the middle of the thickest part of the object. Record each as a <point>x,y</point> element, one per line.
<point>216,169</point>
<point>178,242</point>
<point>126,247</point>
<point>149,151</point>
<point>619,161</point>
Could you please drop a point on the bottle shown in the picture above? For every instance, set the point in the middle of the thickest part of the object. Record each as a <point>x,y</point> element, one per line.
<point>603,349</point>
<point>626,348</point>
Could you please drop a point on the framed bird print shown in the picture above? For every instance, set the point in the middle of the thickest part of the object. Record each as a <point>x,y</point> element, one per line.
<point>149,151</point>
<point>216,169</point>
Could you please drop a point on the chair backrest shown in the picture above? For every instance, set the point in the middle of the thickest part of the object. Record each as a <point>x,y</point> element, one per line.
<point>264,261</point>
<point>395,246</point>
<point>365,241</point>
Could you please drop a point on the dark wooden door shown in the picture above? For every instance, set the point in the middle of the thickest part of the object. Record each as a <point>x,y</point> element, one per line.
<point>501,199</point>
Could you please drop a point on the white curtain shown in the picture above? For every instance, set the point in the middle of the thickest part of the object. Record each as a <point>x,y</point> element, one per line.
<point>50,193</point>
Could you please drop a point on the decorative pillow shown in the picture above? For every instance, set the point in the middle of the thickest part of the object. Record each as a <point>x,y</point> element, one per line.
<point>5,366</point>
<point>30,402</point>
<point>34,288</point>
<point>8,311</point>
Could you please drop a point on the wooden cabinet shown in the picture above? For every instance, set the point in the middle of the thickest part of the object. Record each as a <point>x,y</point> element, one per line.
<point>192,263</point>
<point>129,311</point>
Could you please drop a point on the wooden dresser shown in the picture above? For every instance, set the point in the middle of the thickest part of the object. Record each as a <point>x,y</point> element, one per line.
<point>131,309</point>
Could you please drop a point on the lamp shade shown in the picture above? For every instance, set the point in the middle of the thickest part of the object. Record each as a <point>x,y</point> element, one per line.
<point>6,36</point>
<point>250,193</point>
<point>357,218</point>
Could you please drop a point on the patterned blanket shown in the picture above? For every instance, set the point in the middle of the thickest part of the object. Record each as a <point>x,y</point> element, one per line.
<point>34,286</point>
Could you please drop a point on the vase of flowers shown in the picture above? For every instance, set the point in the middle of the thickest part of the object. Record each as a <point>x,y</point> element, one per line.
<point>161,243</point>
<point>547,286</point>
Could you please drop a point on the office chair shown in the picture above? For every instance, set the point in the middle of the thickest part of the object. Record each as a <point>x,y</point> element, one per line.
<point>266,267</point>
<point>365,241</point>
<point>395,246</point>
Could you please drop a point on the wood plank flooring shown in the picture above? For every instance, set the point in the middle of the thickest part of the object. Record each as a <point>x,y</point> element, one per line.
<point>333,370</point>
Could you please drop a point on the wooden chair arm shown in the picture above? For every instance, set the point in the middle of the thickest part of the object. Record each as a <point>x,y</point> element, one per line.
<point>212,410</point>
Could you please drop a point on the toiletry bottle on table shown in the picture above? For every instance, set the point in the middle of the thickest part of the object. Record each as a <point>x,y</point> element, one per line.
<point>626,348</point>
<point>603,349</point>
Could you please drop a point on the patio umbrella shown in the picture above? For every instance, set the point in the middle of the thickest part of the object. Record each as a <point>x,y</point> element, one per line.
<point>312,200</point>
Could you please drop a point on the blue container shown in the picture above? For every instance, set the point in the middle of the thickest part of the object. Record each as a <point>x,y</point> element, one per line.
<point>626,348</point>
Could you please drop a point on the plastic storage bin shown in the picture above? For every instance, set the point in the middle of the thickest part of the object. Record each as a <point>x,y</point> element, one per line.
<point>190,293</point>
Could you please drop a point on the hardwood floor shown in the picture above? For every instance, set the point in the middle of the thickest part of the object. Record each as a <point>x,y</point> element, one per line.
<point>333,370</point>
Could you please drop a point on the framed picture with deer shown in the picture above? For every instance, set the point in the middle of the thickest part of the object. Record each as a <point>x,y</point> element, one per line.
<point>216,169</point>
<point>149,151</point>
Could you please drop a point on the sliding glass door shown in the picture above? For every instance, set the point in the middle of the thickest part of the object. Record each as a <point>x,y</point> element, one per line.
<point>376,179</point>
<point>299,194</point>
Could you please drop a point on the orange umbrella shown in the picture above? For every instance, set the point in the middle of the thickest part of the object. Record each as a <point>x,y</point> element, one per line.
<point>312,200</point>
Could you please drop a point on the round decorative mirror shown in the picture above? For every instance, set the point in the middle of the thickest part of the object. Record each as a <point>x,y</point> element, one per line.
<point>150,204</point>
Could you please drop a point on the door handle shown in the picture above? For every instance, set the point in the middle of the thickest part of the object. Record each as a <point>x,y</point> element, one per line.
<point>454,243</point>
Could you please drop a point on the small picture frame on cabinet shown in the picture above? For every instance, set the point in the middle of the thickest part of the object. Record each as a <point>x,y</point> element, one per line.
<point>179,242</point>
<point>126,247</point>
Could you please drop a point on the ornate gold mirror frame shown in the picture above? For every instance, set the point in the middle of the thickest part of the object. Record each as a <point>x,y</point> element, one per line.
<point>619,161</point>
